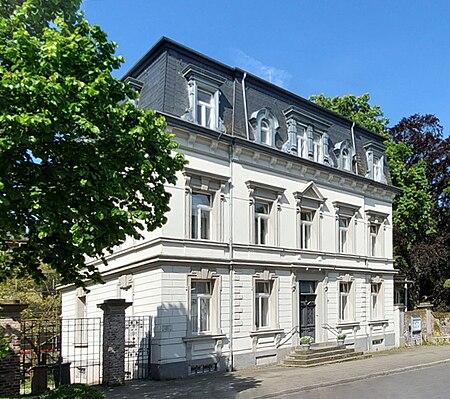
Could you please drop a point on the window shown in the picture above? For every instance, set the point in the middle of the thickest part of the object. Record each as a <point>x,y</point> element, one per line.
<point>205,109</point>
<point>344,154</point>
<point>261,223</point>
<point>203,93</point>
<point>264,126</point>
<point>264,213</point>
<point>345,159</point>
<point>309,214</point>
<point>306,229</point>
<point>375,161</point>
<point>201,216</point>
<point>344,300</point>
<point>373,238</point>
<point>80,317</point>
<point>343,234</point>
<point>302,144</point>
<point>318,148</point>
<point>201,294</point>
<point>346,219</point>
<point>204,205</point>
<point>375,300</point>
<point>263,290</point>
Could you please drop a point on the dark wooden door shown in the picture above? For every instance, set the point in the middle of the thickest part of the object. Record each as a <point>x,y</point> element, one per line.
<point>308,308</point>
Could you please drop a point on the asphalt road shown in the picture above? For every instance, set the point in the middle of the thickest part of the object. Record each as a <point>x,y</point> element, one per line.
<point>427,383</point>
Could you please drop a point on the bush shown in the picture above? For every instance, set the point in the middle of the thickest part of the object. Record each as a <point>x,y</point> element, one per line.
<point>75,391</point>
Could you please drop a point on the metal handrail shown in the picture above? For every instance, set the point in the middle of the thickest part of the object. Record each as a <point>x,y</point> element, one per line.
<point>288,336</point>
<point>330,328</point>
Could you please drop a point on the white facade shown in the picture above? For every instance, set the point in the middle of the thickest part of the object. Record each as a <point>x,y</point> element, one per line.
<point>259,244</point>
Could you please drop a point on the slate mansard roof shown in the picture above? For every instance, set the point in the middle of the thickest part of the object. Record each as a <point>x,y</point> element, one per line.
<point>161,75</point>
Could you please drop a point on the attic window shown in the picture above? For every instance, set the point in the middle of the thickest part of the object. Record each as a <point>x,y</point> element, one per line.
<point>375,162</point>
<point>265,126</point>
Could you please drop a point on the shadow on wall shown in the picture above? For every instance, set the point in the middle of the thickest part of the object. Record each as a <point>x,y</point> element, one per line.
<point>225,386</point>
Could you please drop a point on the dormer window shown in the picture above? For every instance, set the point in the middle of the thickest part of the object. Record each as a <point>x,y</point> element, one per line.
<point>344,154</point>
<point>375,162</point>
<point>204,93</point>
<point>317,148</point>
<point>265,126</point>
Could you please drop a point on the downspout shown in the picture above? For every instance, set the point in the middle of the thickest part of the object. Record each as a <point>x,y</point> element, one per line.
<point>230,254</point>
<point>244,97</point>
<point>354,146</point>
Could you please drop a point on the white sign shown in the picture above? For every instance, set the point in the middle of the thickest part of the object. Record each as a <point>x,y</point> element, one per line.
<point>416,325</point>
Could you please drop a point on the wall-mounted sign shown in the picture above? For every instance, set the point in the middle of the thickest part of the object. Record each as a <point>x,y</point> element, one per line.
<point>416,325</point>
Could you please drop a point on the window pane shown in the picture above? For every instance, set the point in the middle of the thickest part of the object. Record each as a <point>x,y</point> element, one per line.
<point>307,287</point>
<point>204,97</point>
<point>257,310</point>
<point>344,305</point>
<point>263,233</point>
<point>194,315</point>
<point>194,224</point>
<point>306,216</point>
<point>201,199</point>
<point>264,312</point>
<point>265,132</point>
<point>204,314</point>
<point>201,287</point>
<point>205,220</point>
<point>261,208</point>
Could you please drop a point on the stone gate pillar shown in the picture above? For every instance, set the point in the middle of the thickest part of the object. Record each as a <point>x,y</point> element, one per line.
<point>10,366</point>
<point>114,341</point>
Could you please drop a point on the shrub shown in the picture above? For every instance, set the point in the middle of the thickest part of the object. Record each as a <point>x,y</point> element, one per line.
<point>306,340</point>
<point>75,391</point>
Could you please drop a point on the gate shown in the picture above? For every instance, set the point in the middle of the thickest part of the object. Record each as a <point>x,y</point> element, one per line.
<point>138,331</point>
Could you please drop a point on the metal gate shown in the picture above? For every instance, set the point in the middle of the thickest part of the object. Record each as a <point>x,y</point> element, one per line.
<point>138,331</point>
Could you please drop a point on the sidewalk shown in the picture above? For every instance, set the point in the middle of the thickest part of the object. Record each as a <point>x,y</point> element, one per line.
<point>269,381</point>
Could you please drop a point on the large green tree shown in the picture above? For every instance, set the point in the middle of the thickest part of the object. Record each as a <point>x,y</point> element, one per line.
<point>418,156</point>
<point>80,167</point>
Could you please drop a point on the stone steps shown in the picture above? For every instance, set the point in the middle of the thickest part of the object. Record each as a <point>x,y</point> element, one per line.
<point>322,355</point>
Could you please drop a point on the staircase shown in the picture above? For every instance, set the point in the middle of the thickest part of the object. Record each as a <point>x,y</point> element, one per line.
<point>319,355</point>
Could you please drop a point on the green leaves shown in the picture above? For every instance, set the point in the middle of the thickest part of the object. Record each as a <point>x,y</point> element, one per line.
<point>78,171</point>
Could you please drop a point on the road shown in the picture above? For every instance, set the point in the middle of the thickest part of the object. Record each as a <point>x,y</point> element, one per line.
<point>430,383</point>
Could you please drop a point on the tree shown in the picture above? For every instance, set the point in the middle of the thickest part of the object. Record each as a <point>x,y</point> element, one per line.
<point>80,168</point>
<point>418,162</point>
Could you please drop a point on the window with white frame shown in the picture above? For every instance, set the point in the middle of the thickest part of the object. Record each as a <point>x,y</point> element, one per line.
<point>204,302</point>
<point>309,215</point>
<point>376,222</point>
<point>264,213</point>
<point>264,126</point>
<point>306,218</point>
<point>375,161</point>
<point>344,223</point>
<point>263,292</point>
<point>262,216</point>
<point>302,144</point>
<point>376,301</point>
<point>318,148</point>
<point>201,295</point>
<point>81,320</point>
<point>345,298</point>
<point>344,153</point>
<point>201,215</point>
<point>346,219</point>
<point>204,93</point>
<point>205,195</point>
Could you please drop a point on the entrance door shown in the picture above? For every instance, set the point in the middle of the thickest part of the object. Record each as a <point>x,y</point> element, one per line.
<point>307,308</point>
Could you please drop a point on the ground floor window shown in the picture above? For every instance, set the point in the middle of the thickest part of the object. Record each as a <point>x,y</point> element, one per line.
<point>345,304</point>
<point>201,294</point>
<point>263,292</point>
<point>376,301</point>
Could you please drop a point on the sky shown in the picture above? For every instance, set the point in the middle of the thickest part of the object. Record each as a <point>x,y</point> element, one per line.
<point>397,51</point>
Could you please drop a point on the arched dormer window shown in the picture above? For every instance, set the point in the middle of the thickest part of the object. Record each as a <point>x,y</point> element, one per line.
<point>265,126</point>
<point>344,155</point>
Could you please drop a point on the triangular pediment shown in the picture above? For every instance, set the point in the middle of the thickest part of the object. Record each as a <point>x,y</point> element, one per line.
<point>310,192</point>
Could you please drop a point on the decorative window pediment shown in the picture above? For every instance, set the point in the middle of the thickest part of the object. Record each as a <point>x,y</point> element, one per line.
<point>265,126</point>
<point>310,194</point>
<point>376,217</point>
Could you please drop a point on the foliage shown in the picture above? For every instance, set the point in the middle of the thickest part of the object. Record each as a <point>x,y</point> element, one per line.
<point>341,337</point>
<point>75,391</point>
<point>306,340</point>
<point>80,168</point>
<point>4,343</point>
<point>42,298</point>
<point>419,163</point>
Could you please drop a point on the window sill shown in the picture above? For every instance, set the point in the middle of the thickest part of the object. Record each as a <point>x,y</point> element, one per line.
<point>204,337</point>
<point>261,333</point>
<point>378,321</point>
<point>348,324</point>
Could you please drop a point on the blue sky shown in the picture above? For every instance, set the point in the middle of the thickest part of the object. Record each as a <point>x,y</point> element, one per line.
<point>397,51</point>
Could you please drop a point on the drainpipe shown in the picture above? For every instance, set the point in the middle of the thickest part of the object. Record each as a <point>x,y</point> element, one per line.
<point>244,97</point>
<point>230,255</point>
<point>354,146</point>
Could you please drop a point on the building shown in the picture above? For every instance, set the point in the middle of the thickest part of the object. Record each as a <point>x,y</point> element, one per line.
<point>281,222</point>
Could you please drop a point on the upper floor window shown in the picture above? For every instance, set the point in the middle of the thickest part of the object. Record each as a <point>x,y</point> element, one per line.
<point>204,94</point>
<point>264,126</point>
<point>375,162</point>
<point>309,211</point>
<point>262,216</point>
<point>264,213</point>
<point>344,154</point>
<point>205,194</point>
<point>201,215</point>
<point>376,222</point>
<point>346,218</point>
<point>302,144</point>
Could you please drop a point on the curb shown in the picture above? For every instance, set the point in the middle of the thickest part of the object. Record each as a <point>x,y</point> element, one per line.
<point>351,379</point>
